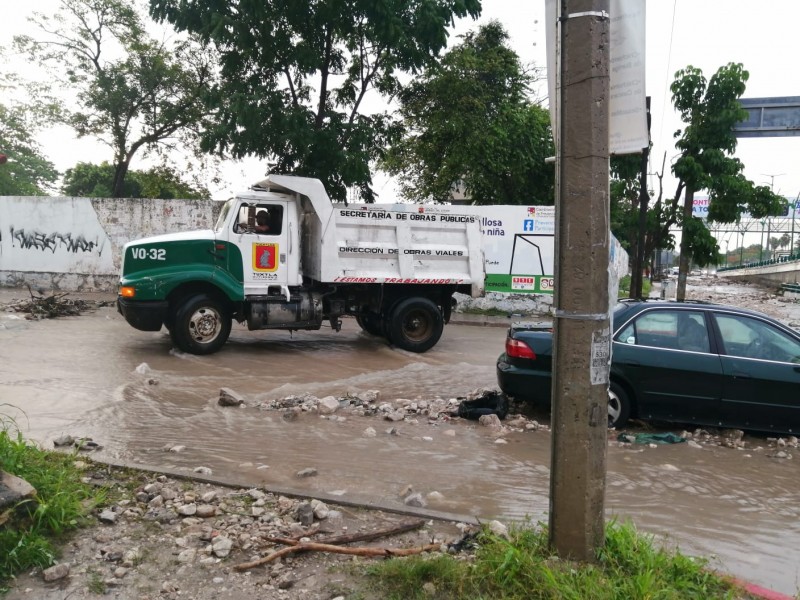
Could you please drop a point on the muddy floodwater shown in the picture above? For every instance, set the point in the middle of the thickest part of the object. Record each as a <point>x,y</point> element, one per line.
<point>95,376</point>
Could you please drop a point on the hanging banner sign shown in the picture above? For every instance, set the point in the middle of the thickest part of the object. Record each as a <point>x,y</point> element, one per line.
<point>627,127</point>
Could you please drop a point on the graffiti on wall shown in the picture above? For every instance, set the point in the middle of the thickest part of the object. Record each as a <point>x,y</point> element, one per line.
<point>38,240</point>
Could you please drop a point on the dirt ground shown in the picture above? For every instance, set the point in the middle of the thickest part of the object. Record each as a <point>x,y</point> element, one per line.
<point>177,538</point>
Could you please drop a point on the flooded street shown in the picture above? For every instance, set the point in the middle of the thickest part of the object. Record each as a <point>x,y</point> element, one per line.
<point>95,376</point>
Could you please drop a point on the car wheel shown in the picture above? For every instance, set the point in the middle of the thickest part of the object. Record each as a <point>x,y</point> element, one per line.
<point>619,405</point>
<point>202,325</point>
<point>416,325</point>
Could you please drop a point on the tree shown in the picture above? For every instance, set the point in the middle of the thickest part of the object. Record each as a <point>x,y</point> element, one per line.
<point>710,109</point>
<point>295,76</point>
<point>25,172</point>
<point>779,242</point>
<point>468,123</point>
<point>141,100</point>
<point>97,181</point>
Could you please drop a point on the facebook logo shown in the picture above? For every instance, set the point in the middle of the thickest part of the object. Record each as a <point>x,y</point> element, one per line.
<point>527,225</point>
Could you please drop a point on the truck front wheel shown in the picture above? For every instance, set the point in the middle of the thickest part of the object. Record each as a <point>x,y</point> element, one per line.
<point>416,325</point>
<point>201,325</point>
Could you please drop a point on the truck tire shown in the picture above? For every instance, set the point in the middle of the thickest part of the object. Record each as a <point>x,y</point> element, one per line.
<point>371,324</point>
<point>415,325</point>
<point>202,325</point>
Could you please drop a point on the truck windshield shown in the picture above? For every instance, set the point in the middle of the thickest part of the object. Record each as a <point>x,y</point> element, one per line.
<point>223,215</point>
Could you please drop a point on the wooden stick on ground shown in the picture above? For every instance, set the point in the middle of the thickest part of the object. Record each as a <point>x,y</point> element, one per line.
<point>329,545</point>
<point>316,546</point>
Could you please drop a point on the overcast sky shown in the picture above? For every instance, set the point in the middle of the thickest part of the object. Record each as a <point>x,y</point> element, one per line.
<point>702,33</point>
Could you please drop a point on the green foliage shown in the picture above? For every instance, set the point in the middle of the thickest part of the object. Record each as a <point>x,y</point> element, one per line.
<point>27,172</point>
<point>294,75</point>
<point>468,123</point>
<point>96,181</point>
<point>134,92</point>
<point>630,566</point>
<point>710,109</point>
<point>624,196</point>
<point>61,503</point>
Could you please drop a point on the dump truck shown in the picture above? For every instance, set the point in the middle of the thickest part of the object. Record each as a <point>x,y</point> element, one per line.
<point>282,256</point>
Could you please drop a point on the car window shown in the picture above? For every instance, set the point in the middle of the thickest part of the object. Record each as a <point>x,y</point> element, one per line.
<point>748,337</point>
<point>676,330</point>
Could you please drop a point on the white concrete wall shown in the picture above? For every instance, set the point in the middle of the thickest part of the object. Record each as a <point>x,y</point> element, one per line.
<point>75,244</point>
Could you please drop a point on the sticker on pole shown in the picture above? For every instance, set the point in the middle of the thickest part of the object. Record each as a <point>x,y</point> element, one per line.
<point>601,357</point>
<point>265,258</point>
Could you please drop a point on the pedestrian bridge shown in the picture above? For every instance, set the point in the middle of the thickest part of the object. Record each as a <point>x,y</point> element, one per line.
<point>776,271</point>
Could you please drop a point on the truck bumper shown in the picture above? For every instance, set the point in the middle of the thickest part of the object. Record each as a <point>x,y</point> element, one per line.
<point>145,316</point>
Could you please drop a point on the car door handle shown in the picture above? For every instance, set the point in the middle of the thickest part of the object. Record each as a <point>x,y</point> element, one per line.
<point>742,375</point>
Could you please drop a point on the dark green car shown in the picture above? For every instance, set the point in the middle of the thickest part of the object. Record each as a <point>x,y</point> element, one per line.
<point>682,362</point>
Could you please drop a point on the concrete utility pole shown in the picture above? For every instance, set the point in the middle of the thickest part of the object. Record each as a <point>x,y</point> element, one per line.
<point>582,324</point>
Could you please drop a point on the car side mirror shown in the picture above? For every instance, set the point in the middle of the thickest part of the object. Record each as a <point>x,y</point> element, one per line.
<point>631,340</point>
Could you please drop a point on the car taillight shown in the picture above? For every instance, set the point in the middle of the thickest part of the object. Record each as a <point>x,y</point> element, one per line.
<point>519,349</point>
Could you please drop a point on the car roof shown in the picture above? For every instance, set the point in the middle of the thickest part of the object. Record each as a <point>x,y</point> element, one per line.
<point>633,305</point>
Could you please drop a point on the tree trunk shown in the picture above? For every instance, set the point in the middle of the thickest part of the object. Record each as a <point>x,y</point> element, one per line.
<point>120,171</point>
<point>683,265</point>
<point>644,200</point>
<point>638,262</point>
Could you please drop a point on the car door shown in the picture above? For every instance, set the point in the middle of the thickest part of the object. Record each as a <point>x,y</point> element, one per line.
<point>761,362</point>
<point>671,380</point>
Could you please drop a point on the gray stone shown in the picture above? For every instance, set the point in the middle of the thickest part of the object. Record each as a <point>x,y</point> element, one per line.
<point>56,572</point>
<point>310,472</point>
<point>415,500</point>
<point>13,490</point>
<point>187,556</point>
<point>227,397</point>
<point>64,440</point>
<point>328,405</point>
<point>397,415</point>
<point>108,516</point>
<point>221,546</point>
<point>497,528</point>
<point>321,509</point>
<point>491,421</point>
<point>304,514</point>
<point>187,510</point>
<point>205,511</point>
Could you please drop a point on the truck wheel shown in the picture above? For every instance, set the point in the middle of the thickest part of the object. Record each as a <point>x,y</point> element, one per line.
<point>371,324</point>
<point>416,325</point>
<point>202,325</point>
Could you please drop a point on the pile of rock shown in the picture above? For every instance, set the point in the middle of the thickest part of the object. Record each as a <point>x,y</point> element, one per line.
<point>203,530</point>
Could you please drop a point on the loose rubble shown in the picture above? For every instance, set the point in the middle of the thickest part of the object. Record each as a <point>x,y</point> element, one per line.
<point>207,534</point>
<point>40,306</point>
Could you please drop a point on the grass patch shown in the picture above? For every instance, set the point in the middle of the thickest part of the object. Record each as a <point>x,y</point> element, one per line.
<point>625,287</point>
<point>62,503</point>
<point>630,566</point>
